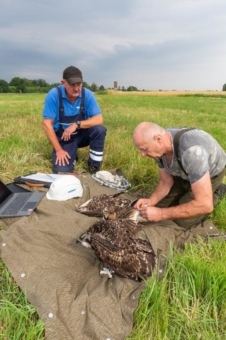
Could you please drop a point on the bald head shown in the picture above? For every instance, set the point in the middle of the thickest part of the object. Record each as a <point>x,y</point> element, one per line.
<point>145,133</point>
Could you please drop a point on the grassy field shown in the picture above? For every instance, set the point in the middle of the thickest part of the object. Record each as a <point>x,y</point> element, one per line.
<point>189,302</point>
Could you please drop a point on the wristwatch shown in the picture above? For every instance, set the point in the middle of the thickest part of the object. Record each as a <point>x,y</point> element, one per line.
<point>78,123</point>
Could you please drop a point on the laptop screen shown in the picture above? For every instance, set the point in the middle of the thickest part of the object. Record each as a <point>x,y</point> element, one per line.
<point>4,192</point>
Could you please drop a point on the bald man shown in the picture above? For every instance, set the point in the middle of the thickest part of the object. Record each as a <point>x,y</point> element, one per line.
<point>189,187</point>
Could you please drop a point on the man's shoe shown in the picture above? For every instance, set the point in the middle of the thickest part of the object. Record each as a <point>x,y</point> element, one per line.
<point>221,190</point>
<point>93,169</point>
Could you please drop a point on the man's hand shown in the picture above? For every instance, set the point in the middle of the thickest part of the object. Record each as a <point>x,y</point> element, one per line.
<point>67,132</point>
<point>147,211</point>
<point>142,202</point>
<point>62,157</point>
<point>201,204</point>
<point>152,214</point>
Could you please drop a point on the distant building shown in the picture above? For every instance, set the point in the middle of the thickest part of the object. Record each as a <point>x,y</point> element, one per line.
<point>115,84</point>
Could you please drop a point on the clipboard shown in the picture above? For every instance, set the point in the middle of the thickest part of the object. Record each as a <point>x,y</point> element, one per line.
<point>16,188</point>
<point>36,179</point>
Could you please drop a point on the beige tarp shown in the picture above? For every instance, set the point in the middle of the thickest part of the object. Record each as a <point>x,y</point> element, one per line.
<point>61,278</point>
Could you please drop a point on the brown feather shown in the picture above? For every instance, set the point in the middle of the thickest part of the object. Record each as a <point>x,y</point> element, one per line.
<point>97,205</point>
<point>114,244</point>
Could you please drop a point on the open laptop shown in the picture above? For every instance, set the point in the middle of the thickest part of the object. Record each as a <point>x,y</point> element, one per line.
<point>17,204</point>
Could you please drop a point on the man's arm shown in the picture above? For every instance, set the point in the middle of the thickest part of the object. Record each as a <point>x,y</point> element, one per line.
<point>61,155</point>
<point>50,133</point>
<point>95,120</point>
<point>85,124</point>
<point>201,204</point>
<point>162,189</point>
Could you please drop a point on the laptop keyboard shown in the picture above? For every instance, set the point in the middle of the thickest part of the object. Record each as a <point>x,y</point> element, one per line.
<point>17,204</point>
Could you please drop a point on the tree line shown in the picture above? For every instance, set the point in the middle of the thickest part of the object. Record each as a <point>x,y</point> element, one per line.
<point>23,85</point>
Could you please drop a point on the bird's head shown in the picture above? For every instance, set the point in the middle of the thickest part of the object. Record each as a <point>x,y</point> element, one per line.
<point>85,240</point>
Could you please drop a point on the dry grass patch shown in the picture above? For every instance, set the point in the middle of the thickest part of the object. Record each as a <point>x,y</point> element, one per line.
<point>167,93</point>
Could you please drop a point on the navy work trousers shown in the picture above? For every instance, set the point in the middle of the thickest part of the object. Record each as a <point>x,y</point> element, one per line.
<point>93,137</point>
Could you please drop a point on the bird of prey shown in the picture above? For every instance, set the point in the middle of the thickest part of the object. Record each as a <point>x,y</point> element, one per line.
<point>115,245</point>
<point>97,205</point>
<point>111,207</point>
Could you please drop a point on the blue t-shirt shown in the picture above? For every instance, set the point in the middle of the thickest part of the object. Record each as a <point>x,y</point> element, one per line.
<point>51,107</point>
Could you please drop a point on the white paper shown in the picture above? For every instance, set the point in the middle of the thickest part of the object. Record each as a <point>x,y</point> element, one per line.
<point>42,177</point>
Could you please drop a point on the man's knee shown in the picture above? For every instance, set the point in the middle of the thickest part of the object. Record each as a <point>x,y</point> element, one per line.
<point>190,222</point>
<point>63,168</point>
<point>98,131</point>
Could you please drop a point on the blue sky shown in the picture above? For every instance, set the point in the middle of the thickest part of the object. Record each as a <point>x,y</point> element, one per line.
<point>150,44</point>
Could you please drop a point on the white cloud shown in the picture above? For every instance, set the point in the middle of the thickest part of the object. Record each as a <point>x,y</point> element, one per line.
<point>148,44</point>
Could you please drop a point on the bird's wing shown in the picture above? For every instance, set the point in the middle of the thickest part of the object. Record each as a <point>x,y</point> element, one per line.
<point>113,243</point>
<point>129,263</point>
<point>131,226</point>
<point>95,205</point>
<point>144,245</point>
<point>122,261</point>
<point>93,213</point>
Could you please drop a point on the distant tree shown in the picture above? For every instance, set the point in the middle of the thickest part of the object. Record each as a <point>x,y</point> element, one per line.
<point>131,88</point>
<point>4,86</point>
<point>27,82</point>
<point>12,89</point>
<point>54,85</point>
<point>40,82</point>
<point>86,85</point>
<point>224,87</point>
<point>93,87</point>
<point>15,81</point>
<point>19,84</point>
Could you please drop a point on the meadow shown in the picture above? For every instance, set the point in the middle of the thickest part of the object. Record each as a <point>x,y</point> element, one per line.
<point>189,302</point>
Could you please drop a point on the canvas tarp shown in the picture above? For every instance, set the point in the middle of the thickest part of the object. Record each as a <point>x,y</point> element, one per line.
<point>62,279</point>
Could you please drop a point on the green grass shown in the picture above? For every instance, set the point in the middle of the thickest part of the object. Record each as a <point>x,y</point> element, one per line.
<point>18,318</point>
<point>189,302</point>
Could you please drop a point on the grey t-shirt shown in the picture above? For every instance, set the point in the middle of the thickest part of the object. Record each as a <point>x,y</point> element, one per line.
<point>199,152</point>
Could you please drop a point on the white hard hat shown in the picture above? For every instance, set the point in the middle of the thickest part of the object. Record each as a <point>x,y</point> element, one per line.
<point>64,188</point>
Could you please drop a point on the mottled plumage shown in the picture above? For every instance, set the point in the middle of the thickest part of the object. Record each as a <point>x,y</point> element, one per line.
<point>111,207</point>
<point>126,213</point>
<point>116,247</point>
<point>97,205</point>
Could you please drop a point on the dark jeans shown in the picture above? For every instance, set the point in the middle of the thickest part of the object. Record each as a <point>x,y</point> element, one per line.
<point>181,193</point>
<point>93,137</point>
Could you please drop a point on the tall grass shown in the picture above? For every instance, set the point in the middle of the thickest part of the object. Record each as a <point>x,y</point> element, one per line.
<point>189,302</point>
